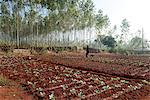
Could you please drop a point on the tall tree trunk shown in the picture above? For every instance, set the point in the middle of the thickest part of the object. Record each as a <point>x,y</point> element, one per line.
<point>17,31</point>
<point>37,34</point>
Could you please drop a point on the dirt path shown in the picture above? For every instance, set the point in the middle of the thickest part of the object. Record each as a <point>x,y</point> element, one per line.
<point>10,90</point>
<point>146,98</point>
<point>13,93</point>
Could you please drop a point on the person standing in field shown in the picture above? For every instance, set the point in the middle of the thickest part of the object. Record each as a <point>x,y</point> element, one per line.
<point>87,51</point>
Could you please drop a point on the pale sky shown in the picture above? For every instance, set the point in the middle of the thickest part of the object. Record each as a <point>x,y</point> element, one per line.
<point>137,12</point>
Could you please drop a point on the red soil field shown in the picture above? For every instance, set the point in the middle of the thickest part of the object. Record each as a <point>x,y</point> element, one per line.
<point>72,76</point>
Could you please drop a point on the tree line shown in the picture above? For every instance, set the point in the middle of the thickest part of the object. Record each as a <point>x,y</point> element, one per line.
<point>36,22</point>
<point>29,19</point>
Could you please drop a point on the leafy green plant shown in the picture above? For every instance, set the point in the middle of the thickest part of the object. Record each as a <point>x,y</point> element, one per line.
<point>81,95</point>
<point>115,78</point>
<point>64,87</point>
<point>101,82</point>
<point>124,81</point>
<point>97,91</point>
<point>73,91</point>
<point>117,85</point>
<point>51,96</point>
<point>145,81</point>
<point>106,87</point>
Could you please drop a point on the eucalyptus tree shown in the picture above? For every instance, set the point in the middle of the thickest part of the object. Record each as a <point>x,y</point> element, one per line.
<point>125,28</point>
<point>85,17</point>
<point>16,17</point>
<point>14,8</point>
<point>102,21</point>
<point>4,17</point>
<point>135,43</point>
<point>71,18</point>
<point>63,16</point>
<point>91,20</point>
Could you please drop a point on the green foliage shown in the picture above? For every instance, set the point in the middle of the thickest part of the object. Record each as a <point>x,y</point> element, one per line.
<point>125,27</point>
<point>25,19</point>
<point>109,41</point>
<point>101,21</point>
<point>121,50</point>
<point>136,42</point>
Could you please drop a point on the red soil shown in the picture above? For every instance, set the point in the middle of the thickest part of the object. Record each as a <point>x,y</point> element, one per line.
<point>13,93</point>
<point>47,75</point>
<point>124,66</point>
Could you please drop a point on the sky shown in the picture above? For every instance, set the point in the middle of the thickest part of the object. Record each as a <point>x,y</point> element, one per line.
<point>135,11</point>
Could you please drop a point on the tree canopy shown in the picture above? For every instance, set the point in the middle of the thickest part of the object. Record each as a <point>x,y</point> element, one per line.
<point>22,18</point>
<point>109,41</point>
<point>125,28</point>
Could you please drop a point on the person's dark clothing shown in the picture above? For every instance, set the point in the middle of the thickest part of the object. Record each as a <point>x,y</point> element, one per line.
<point>87,51</point>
